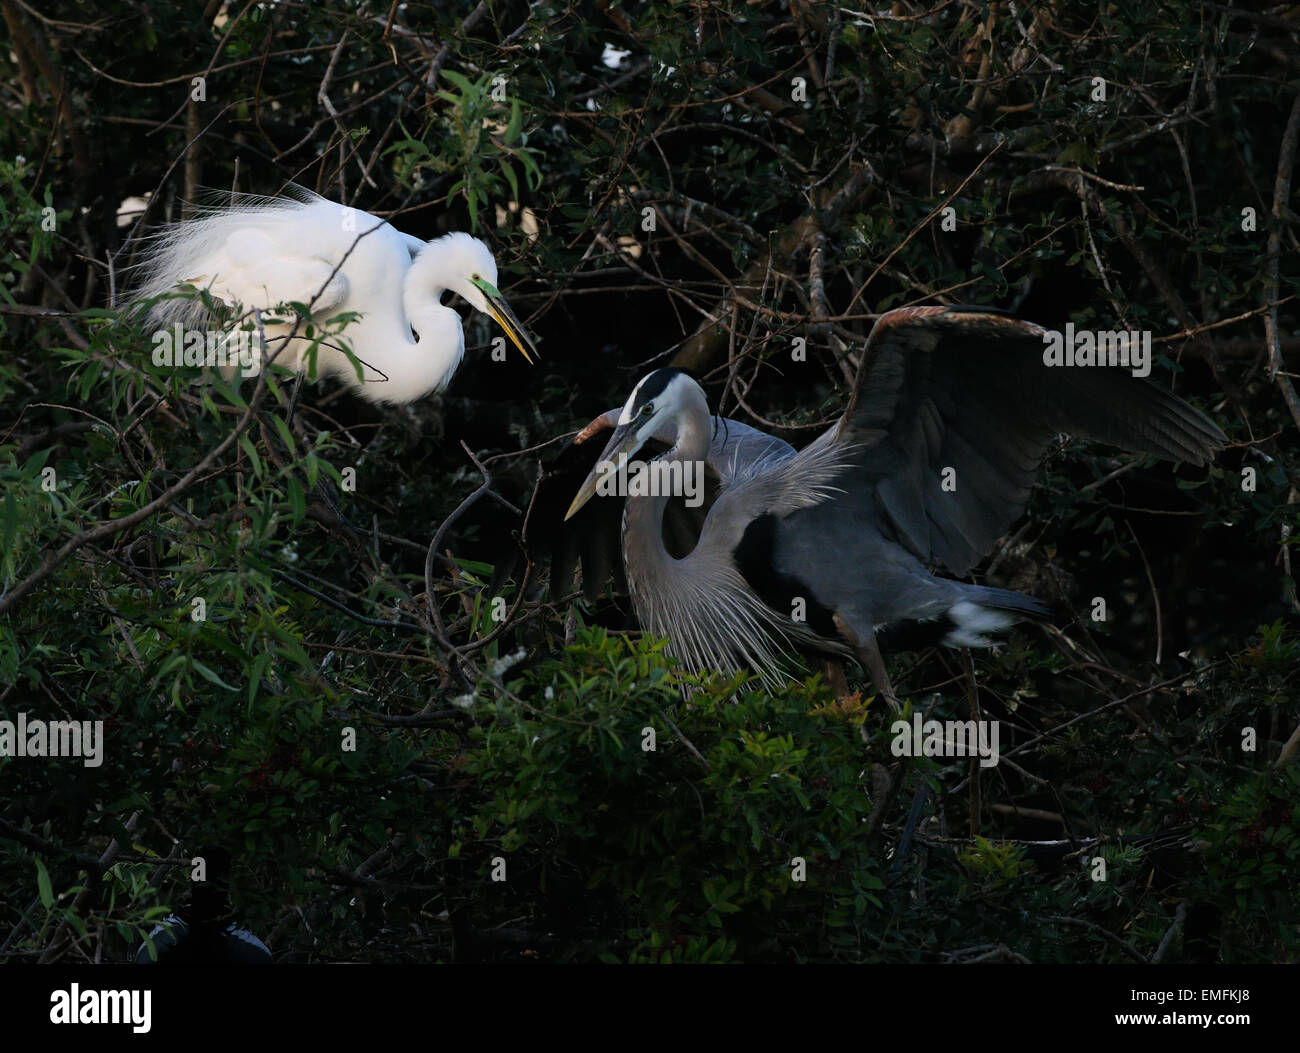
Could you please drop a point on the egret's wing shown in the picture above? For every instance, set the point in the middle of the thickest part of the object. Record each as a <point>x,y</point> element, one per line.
<point>260,253</point>
<point>413,245</point>
<point>967,389</point>
<point>252,269</point>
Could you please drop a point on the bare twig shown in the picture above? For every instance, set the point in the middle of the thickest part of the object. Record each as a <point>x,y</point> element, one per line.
<point>1281,198</point>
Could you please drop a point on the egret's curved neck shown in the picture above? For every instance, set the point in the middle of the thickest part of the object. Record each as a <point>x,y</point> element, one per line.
<point>418,367</point>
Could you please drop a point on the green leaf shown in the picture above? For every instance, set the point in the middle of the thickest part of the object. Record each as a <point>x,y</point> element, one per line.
<point>512,179</point>
<point>260,664</point>
<point>43,886</point>
<point>297,503</point>
<point>286,436</point>
<point>531,172</point>
<point>209,675</point>
<point>246,444</point>
<point>461,81</point>
<point>10,518</point>
<point>516,123</point>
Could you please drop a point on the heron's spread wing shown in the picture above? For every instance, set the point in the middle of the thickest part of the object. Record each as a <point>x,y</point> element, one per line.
<point>963,389</point>
<point>591,538</point>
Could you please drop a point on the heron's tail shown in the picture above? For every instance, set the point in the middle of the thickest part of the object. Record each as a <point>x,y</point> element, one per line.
<point>983,609</point>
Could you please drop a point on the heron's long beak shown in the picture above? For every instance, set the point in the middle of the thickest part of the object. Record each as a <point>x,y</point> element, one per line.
<point>505,318</point>
<point>621,446</point>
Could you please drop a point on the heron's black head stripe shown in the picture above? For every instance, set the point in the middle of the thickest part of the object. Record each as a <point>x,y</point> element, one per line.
<point>655,383</point>
<point>650,387</point>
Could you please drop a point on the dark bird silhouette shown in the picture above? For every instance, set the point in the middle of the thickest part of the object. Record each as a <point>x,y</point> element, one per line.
<point>202,932</point>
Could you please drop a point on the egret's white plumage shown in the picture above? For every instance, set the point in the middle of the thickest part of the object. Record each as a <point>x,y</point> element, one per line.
<point>266,252</point>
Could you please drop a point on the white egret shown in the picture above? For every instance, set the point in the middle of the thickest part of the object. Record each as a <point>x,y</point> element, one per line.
<point>267,252</point>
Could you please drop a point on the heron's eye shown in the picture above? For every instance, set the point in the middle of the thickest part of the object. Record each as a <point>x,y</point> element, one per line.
<point>647,409</point>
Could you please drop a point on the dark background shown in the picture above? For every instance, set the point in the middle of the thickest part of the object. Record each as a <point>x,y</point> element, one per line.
<point>774,219</point>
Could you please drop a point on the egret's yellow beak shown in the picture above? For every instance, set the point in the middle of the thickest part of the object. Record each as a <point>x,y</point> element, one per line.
<point>621,446</point>
<point>505,318</point>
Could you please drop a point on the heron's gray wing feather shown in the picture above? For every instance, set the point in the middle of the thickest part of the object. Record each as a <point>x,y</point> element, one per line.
<point>737,450</point>
<point>963,389</point>
<point>777,483</point>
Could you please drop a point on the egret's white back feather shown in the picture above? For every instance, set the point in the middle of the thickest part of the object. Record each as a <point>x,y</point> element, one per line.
<point>197,251</point>
<point>262,253</point>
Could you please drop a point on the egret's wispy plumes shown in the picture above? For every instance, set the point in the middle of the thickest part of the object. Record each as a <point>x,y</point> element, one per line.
<point>267,253</point>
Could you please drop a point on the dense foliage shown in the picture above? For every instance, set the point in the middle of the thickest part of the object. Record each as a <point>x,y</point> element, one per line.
<point>404,774</point>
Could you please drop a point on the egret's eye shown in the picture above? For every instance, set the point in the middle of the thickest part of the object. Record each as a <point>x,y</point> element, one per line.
<point>647,409</point>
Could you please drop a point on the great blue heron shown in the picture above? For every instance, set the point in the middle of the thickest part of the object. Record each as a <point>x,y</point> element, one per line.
<point>951,414</point>
<point>202,932</point>
<point>266,252</point>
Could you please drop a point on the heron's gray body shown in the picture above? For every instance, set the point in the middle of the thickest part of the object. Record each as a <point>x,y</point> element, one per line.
<point>702,602</point>
<point>951,415</point>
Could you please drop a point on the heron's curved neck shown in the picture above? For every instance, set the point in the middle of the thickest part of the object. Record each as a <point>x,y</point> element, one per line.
<point>693,424</point>
<point>643,516</point>
<point>713,620</point>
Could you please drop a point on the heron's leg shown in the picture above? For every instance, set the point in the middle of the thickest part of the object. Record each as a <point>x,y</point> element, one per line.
<point>834,670</point>
<point>869,652</point>
<point>835,677</point>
